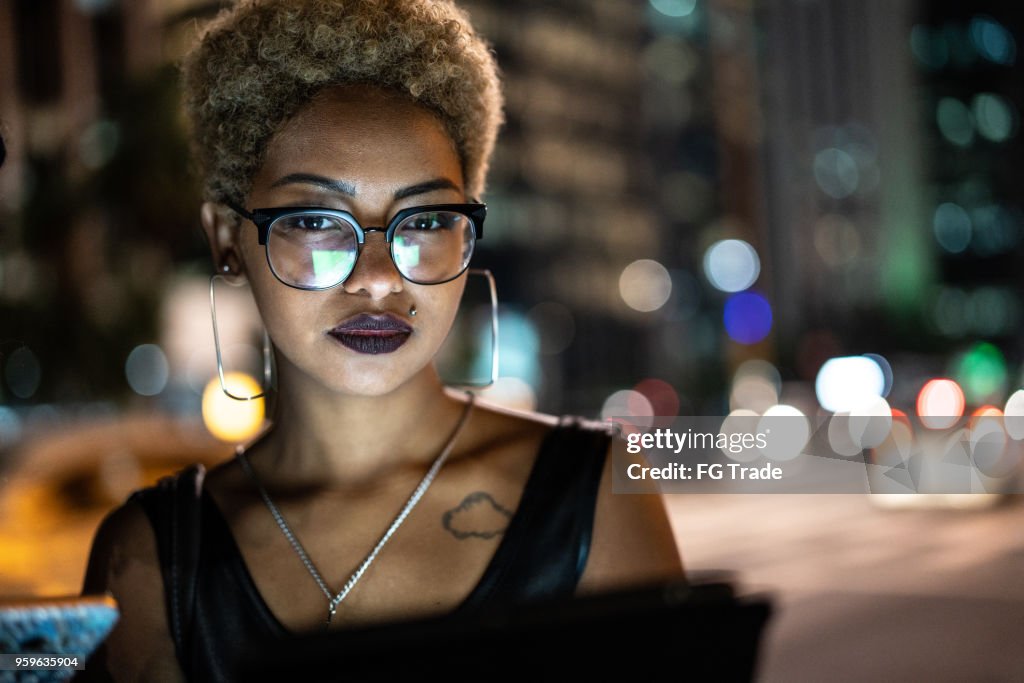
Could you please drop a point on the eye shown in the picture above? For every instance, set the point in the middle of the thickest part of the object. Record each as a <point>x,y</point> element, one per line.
<point>430,221</point>
<point>311,221</point>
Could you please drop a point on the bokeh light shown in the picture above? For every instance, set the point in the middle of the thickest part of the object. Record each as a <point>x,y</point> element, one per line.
<point>940,403</point>
<point>952,227</point>
<point>518,348</point>
<point>674,8</point>
<point>886,368</point>
<point>739,422</point>
<point>982,373</point>
<point>992,40</point>
<point>837,240</point>
<point>787,430</point>
<point>987,411</point>
<point>228,419</point>
<point>98,143</point>
<point>747,317</point>
<point>631,405</point>
<point>660,394</point>
<point>645,285</point>
<point>840,436</point>
<point>988,440</point>
<point>755,386</point>
<point>836,172</point>
<point>1013,414</point>
<point>955,121</point>
<point>929,47</point>
<point>10,426</point>
<point>870,423</point>
<point>996,229</point>
<point>898,446</point>
<point>994,116</point>
<point>23,372</point>
<point>147,370</point>
<point>848,383</point>
<point>731,265</point>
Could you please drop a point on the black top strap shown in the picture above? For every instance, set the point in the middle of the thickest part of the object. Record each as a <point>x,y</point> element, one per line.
<point>174,511</point>
<point>547,543</point>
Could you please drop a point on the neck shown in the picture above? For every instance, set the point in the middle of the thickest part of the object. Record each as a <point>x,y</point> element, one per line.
<point>329,440</point>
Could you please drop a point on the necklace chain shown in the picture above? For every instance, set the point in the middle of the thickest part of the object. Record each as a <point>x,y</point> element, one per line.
<point>333,600</point>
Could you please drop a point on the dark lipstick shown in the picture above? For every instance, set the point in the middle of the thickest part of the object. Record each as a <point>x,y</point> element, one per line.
<point>367,333</point>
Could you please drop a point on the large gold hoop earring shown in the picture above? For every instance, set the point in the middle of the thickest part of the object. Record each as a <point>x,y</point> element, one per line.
<point>268,357</point>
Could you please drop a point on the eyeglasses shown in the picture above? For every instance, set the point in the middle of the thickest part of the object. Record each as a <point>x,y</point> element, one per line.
<point>317,248</point>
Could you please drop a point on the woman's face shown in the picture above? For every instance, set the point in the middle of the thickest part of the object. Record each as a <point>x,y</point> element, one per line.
<point>372,154</point>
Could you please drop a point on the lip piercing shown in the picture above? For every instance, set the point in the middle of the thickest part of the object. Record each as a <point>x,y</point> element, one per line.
<point>412,310</point>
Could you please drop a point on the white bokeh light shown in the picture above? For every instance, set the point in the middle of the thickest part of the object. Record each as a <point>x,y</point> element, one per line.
<point>731,265</point>
<point>787,430</point>
<point>631,405</point>
<point>645,285</point>
<point>848,383</point>
<point>1013,415</point>
<point>870,423</point>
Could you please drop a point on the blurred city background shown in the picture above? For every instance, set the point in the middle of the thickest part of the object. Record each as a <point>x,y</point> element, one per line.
<point>696,206</point>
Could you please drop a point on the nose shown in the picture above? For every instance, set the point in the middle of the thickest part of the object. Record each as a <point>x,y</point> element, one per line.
<point>374,272</point>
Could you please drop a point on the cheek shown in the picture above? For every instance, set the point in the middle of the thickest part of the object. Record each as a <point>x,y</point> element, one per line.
<point>441,304</point>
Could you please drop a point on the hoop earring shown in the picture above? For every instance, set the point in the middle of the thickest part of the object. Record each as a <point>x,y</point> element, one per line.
<point>267,355</point>
<point>492,376</point>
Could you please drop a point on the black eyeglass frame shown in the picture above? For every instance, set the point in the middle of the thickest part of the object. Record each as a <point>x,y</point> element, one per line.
<point>264,219</point>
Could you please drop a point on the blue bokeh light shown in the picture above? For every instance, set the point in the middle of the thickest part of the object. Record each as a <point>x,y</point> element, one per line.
<point>747,317</point>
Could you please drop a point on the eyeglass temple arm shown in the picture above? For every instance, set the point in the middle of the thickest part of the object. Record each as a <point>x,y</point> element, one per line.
<point>239,210</point>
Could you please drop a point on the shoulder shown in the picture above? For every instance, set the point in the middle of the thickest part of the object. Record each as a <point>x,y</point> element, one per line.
<point>633,542</point>
<point>497,431</point>
<point>124,563</point>
<point>125,537</point>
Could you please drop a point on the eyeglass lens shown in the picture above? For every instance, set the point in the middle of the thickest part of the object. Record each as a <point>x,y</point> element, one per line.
<point>315,251</point>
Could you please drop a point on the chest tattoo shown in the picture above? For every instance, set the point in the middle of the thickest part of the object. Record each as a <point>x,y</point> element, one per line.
<point>477,516</point>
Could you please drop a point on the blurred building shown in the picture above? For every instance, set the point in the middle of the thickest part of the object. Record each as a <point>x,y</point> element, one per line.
<point>849,241</point>
<point>890,135</point>
<point>967,62</point>
<point>96,206</point>
<point>604,170</point>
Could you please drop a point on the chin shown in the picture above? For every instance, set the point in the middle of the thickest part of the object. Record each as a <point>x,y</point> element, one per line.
<point>374,376</point>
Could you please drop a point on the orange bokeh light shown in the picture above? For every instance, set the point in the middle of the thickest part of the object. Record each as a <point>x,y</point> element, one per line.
<point>940,403</point>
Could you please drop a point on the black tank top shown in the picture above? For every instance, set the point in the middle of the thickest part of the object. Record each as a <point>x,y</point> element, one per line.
<point>215,611</point>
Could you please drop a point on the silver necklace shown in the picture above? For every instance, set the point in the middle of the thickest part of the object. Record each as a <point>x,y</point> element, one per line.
<point>333,600</point>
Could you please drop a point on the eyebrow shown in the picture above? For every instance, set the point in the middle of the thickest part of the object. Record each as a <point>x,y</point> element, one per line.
<point>349,190</point>
<point>339,186</point>
<point>429,186</point>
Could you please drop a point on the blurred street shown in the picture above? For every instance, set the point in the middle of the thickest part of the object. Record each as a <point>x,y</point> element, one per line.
<point>864,593</point>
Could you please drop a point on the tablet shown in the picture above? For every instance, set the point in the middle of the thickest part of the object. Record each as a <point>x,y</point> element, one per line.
<point>664,632</point>
<point>48,639</point>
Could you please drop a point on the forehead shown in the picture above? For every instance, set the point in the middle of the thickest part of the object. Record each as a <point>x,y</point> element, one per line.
<point>364,135</point>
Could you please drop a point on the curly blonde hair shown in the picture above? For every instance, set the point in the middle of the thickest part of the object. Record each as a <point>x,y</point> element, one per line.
<point>260,61</point>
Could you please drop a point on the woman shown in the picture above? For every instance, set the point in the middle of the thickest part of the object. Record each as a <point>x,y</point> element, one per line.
<point>312,119</point>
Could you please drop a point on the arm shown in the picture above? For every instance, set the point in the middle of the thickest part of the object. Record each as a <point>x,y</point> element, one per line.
<point>632,542</point>
<point>124,563</point>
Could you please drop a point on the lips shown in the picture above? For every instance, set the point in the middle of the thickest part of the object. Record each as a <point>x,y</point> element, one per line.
<point>371,333</point>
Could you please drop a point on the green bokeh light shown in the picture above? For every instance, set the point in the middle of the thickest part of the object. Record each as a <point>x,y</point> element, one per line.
<point>982,373</point>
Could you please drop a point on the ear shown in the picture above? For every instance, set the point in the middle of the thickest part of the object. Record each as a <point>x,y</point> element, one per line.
<point>221,226</point>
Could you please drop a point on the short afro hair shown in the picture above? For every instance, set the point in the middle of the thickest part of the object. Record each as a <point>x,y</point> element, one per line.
<point>260,61</point>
